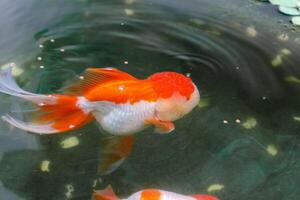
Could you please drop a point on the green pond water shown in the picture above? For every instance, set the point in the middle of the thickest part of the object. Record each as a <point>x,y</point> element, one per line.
<point>240,143</point>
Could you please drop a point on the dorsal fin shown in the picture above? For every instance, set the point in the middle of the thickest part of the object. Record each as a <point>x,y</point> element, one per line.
<point>93,77</point>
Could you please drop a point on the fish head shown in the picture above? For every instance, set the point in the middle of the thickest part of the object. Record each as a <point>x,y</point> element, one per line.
<point>178,95</point>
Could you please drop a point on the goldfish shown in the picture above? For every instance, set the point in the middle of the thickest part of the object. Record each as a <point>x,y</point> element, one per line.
<point>121,103</point>
<point>149,194</point>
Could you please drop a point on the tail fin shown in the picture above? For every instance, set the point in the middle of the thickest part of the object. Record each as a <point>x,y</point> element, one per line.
<point>106,194</point>
<point>55,113</point>
<point>204,197</point>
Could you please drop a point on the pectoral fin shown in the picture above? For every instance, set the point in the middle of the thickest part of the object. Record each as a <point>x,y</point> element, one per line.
<point>161,126</point>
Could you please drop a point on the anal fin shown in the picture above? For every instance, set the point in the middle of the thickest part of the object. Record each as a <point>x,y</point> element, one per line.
<point>115,150</point>
<point>106,194</point>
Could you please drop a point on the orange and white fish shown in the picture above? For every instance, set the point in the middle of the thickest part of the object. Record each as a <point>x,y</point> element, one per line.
<point>121,103</point>
<point>149,194</point>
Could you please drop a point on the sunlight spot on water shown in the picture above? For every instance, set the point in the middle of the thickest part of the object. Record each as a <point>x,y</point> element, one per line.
<point>52,40</point>
<point>297,40</point>
<point>283,37</point>
<point>188,74</point>
<point>203,103</point>
<point>251,31</point>
<point>129,1</point>
<point>215,188</point>
<point>122,24</point>
<point>296,118</point>
<point>250,123</point>
<point>45,166</point>
<point>62,50</point>
<point>81,77</point>
<point>41,104</point>
<point>292,79</point>
<point>129,12</point>
<point>198,22</point>
<point>70,190</point>
<point>69,142</point>
<point>215,32</point>
<point>286,52</point>
<point>40,58</point>
<point>41,46</point>
<point>238,121</point>
<point>264,98</point>
<point>225,121</point>
<point>42,67</point>
<point>126,62</point>
<point>16,71</point>
<point>272,150</point>
<point>277,61</point>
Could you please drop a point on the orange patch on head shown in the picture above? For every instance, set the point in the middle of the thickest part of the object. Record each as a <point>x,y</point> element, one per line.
<point>150,194</point>
<point>168,83</point>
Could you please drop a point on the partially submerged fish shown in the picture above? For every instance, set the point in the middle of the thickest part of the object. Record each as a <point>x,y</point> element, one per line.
<point>149,194</point>
<point>121,103</point>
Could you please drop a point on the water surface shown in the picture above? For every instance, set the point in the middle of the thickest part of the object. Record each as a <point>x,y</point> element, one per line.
<point>241,142</point>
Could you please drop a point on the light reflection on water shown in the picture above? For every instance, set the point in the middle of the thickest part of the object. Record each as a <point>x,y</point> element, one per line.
<point>243,136</point>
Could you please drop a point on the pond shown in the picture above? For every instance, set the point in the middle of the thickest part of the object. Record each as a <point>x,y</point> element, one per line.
<point>240,142</point>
